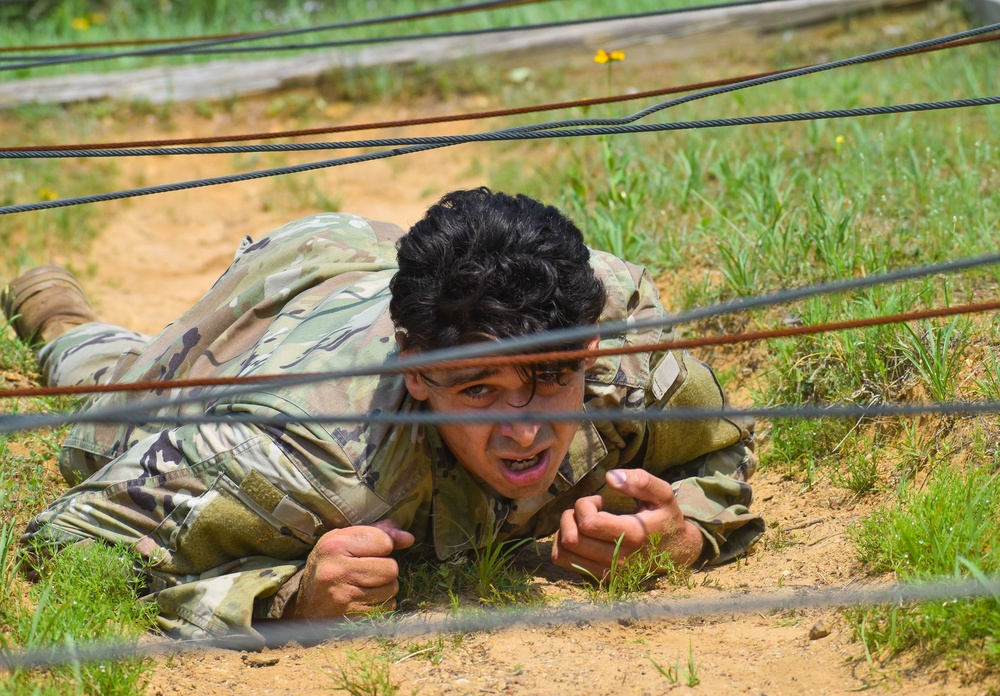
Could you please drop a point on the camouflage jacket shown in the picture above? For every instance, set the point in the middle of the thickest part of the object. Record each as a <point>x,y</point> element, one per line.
<point>225,514</point>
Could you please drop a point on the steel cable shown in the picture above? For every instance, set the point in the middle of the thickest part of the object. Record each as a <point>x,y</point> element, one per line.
<point>250,35</point>
<point>539,131</point>
<point>524,358</point>
<point>229,414</point>
<point>194,46</point>
<point>224,40</point>
<point>446,118</point>
<point>446,141</point>
<point>530,133</point>
<point>134,412</point>
<point>279,634</point>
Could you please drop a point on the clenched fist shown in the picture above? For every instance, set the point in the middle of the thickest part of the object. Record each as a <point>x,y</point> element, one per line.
<point>349,571</point>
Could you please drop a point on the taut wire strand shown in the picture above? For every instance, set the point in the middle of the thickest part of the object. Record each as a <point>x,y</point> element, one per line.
<point>225,413</point>
<point>532,132</point>
<point>524,343</point>
<point>447,118</point>
<point>535,133</point>
<point>387,19</point>
<point>496,136</point>
<point>277,634</point>
<point>208,45</point>
<point>249,36</point>
<point>527,358</point>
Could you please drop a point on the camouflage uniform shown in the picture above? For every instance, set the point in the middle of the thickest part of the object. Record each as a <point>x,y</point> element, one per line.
<point>226,514</point>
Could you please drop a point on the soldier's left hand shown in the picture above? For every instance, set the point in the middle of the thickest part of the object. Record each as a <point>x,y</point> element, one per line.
<point>588,534</point>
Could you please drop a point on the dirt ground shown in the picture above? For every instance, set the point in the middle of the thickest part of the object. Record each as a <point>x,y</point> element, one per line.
<point>158,254</point>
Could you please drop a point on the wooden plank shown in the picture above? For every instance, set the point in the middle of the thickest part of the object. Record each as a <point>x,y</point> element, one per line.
<point>228,78</point>
<point>986,11</point>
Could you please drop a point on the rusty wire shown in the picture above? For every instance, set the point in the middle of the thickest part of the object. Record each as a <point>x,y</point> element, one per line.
<point>523,358</point>
<point>449,118</point>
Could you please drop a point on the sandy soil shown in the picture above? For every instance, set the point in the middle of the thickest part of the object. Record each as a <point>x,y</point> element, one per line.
<point>158,254</point>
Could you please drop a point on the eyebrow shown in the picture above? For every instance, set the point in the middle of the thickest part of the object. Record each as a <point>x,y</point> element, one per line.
<point>457,377</point>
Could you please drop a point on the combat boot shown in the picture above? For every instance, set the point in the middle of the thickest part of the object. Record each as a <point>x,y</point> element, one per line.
<point>44,303</point>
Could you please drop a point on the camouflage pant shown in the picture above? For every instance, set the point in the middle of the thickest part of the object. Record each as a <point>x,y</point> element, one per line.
<point>86,354</point>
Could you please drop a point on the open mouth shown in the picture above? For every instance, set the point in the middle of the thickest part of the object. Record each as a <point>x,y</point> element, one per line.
<point>522,464</point>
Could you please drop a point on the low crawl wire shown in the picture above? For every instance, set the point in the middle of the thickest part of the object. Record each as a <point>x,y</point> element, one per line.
<point>225,414</point>
<point>616,130</point>
<point>528,132</point>
<point>160,385</point>
<point>443,118</point>
<point>621,125</point>
<point>279,634</point>
<point>403,37</point>
<point>506,134</point>
<point>388,19</point>
<point>249,35</point>
<point>200,45</point>
<point>523,343</point>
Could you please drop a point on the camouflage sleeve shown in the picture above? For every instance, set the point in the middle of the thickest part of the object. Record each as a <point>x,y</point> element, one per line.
<point>220,515</point>
<point>707,461</point>
<point>224,515</point>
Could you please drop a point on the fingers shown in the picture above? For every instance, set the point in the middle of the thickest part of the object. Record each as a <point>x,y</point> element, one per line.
<point>642,485</point>
<point>362,541</point>
<point>576,548</point>
<point>592,538</point>
<point>350,571</point>
<point>400,539</point>
<point>572,540</point>
<point>331,599</point>
<point>590,522</point>
<point>565,558</point>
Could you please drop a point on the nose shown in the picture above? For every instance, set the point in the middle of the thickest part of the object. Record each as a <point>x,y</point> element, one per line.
<point>523,434</point>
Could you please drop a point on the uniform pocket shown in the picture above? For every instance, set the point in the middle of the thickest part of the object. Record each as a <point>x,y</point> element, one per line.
<point>230,521</point>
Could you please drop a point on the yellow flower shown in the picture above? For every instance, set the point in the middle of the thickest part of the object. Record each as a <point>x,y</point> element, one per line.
<point>47,194</point>
<point>840,139</point>
<point>98,18</point>
<point>603,56</point>
<point>80,23</point>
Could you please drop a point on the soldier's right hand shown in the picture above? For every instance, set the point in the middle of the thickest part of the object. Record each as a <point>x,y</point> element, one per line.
<point>349,571</point>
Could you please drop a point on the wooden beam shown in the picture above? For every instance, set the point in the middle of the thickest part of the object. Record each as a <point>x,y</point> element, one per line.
<point>228,78</point>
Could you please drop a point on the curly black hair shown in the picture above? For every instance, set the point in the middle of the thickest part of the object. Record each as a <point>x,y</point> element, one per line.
<point>485,265</point>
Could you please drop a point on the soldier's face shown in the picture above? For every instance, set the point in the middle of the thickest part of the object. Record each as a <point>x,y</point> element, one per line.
<point>516,460</point>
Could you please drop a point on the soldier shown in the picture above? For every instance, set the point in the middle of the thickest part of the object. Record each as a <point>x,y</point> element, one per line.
<point>237,522</point>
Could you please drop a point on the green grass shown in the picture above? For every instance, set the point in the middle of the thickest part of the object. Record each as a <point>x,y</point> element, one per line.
<point>29,239</point>
<point>84,593</point>
<point>626,577</point>
<point>494,575</point>
<point>675,674</point>
<point>936,354</point>
<point>945,528</point>
<point>365,674</point>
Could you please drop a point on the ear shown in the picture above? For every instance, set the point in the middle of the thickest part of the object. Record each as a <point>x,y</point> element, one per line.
<point>592,344</point>
<point>414,382</point>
